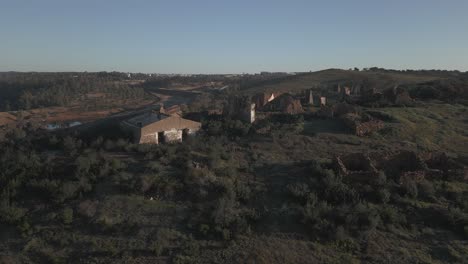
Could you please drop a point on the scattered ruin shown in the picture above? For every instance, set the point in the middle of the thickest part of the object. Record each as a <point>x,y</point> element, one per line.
<point>323,100</point>
<point>156,127</point>
<point>325,112</point>
<point>398,96</point>
<point>355,167</point>
<point>172,110</point>
<point>360,126</point>
<point>240,108</point>
<point>401,166</point>
<point>341,109</point>
<point>262,99</point>
<point>284,103</point>
<point>310,98</point>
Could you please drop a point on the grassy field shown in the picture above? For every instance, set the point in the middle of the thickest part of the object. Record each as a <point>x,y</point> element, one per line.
<point>431,126</point>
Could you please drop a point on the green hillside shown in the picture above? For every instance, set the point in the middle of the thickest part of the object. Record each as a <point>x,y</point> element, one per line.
<point>333,77</point>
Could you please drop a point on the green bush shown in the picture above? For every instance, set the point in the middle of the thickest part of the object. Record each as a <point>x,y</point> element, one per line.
<point>409,188</point>
<point>67,216</point>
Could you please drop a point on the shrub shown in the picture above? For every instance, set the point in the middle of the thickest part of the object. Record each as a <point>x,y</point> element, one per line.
<point>426,189</point>
<point>383,195</point>
<point>390,215</point>
<point>298,190</point>
<point>67,216</point>
<point>409,188</point>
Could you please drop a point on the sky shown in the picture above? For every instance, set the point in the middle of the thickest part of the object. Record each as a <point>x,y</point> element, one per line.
<point>232,36</point>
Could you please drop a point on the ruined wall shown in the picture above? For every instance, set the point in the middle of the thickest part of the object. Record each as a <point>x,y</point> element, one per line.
<point>366,128</point>
<point>261,99</point>
<point>344,108</point>
<point>240,108</point>
<point>310,98</point>
<point>359,126</point>
<point>323,100</point>
<point>285,103</point>
<point>400,166</point>
<point>356,167</point>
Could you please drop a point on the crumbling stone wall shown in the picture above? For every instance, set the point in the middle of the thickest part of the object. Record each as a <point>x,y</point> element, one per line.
<point>261,99</point>
<point>401,166</point>
<point>362,127</point>
<point>325,112</point>
<point>398,96</point>
<point>344,108</point>
<point>441,166</point>
<point>285,103</point>
<point>240,108</point>
<point>356,167</point>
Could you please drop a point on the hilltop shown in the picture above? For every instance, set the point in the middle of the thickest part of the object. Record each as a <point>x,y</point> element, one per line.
<point>380,79</point>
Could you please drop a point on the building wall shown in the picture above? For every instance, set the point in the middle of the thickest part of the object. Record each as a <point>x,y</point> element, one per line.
<point>252,113</point>
<point>173,135</point>
<point>323,100</point>
<point>149,139</point>
<point>172,127</point>
<point>134,132</point>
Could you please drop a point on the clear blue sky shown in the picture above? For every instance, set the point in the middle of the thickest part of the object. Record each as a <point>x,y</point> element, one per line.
<point>232,36</point>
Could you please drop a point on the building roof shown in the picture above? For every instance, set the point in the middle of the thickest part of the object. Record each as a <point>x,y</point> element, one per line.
<point>161,122</point>
<point>146,119</point>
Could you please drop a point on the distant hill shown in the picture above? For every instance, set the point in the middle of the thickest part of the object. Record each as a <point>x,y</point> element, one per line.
<point>379,79</point>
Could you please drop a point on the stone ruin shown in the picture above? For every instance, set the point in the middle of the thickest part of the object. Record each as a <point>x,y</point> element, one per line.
<point>323,100</point>
<point>325,112</point>
<point>261,99</point>
<point>347,91</point>
<point>401,166</point>
<point>355,168</point>
<point>397,96</point>
<point>284,103</point>
<point>310,98</point>
<point>441,166</point>
<point>392,96</point>
<point>341,109</point>
<point>360,126</point>
<point>240,108</point>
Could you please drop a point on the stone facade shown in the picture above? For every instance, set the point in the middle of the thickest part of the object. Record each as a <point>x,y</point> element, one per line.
<point>240,108</point>
<point>362,127</point>
<point>284,103</point>
<point>323,100</point>
<point>155,128</point>
<point>310,98</point>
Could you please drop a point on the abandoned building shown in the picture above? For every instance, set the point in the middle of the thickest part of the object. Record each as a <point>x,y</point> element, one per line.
<point>156,127</point>
<point>323,100</point>
<point>262,99</point>
<point>172,110</point>
<point>284,103</point>
<point>347,91</point>
<point>240,108</point>
<point>401,167</point>
<point>340,109</point>
<point>310,97</point>
<point>356,167</point>
<point>398,96</point>
<point>361,126</point>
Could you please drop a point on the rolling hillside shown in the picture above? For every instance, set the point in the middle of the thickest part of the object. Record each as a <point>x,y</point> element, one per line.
<point>333,77</point>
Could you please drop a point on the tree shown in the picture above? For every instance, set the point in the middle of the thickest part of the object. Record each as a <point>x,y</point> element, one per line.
<point>26,100</point>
